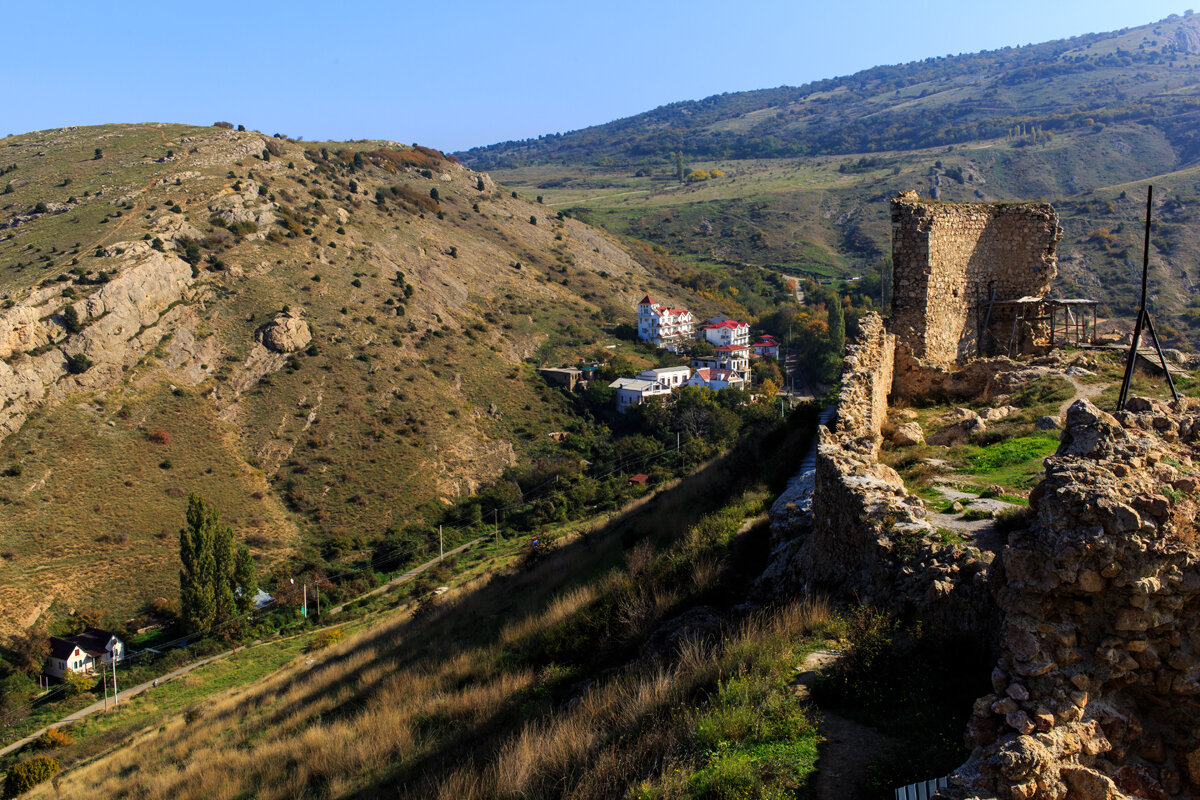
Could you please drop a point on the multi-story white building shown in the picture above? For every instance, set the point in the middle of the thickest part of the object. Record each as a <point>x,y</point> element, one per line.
<point>634,391</point>
<point>671,377</point>
<point>734,357</point>
<point>729,331</point>
<point>661,325</point>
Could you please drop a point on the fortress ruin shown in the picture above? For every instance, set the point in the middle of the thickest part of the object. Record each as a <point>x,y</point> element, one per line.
<point>1093,605</point>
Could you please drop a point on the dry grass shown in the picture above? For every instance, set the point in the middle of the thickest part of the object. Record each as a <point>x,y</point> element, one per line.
<point>450,705</point>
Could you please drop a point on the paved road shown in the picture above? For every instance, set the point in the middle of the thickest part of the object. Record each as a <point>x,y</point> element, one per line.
<point>125,694</point>
<point>408,576</point>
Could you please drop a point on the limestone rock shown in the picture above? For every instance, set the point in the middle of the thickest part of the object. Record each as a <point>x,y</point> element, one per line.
<point>909,433</point>
<point>285,334</point>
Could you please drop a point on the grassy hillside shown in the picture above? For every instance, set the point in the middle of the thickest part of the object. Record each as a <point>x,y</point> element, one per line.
<point>803,175</point>
<point>431,295</point>
<point>1148,74</point>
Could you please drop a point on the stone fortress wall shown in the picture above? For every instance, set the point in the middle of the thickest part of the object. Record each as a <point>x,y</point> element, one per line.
<point>951,259</point>
<point>1094,609</point>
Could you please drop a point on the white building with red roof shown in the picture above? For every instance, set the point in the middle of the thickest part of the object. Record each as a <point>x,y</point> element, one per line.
<point>728,331</point>
<point>661,325</point>
<point>716,379</point>
<point>767,346</point>
<point>734,357</point>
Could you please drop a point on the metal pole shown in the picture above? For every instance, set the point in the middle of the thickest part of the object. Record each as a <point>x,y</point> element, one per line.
<point>1141,317</point>
<point>114,663</point>
<point>304,608</point>
<point>1162,359</point>
<point>441,545</point>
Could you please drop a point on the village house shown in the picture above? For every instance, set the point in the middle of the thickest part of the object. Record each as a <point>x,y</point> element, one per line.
<point>766,347</point>
<point>671,377</point>
<point>728,331</point>
<point>661,325</point>
<point>634,391</point>
<point>84,652</point>
<point>717,379</point>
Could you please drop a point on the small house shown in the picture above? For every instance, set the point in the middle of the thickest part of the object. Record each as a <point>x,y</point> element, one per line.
<point>634,391</point>
<point>84,652</point>
<point>766,347</point>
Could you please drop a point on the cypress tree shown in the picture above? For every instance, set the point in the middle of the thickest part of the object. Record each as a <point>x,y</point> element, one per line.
<point>679,165</point>
<point>244,578</point>
<point>198,569</point>
<point>224,606</point>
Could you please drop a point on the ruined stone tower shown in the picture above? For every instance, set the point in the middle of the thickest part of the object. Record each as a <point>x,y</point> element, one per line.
<point>952,261</point>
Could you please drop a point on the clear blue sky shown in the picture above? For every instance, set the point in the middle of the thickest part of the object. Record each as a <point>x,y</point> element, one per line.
<point>457,74</point>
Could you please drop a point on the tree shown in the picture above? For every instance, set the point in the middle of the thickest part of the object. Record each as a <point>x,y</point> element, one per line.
<point>197,575</point>
<point>837,325</point>
<point>679,165</point>
<point>99,154</point>
<point>245,578</point>
<point>78,364</point>
<point>434,193</point>
<point>71,320</point>
<point>217,580</point>
<point>29,650</point>
<point>8,188</point>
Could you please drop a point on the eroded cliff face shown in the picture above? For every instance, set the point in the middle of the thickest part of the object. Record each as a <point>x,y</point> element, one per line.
<point>118,323</point>
<point>1097,690</point>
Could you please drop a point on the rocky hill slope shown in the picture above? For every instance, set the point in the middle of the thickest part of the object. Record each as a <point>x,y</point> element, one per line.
<point>318,338</point>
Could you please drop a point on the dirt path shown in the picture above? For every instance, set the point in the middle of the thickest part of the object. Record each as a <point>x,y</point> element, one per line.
<point>849,747</point>
<point>1088,390</point>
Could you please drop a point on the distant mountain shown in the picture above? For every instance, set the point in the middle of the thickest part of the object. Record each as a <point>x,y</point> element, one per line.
<point>1149,74</point>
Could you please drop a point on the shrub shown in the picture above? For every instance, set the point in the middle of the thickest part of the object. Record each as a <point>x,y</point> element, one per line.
<point>54,738</point>
<point>78,364</point>
<point>226,125</point>
<point>71,320</point>
<point>25,775</point>
<point>160,437</point>
<point>327,638</point>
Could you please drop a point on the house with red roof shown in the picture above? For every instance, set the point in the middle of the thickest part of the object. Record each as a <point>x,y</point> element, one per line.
<point>662,325</point>
<point>716,379</point>
<point>728,331</point>
<point>766,347</point>
<point>733,357</point>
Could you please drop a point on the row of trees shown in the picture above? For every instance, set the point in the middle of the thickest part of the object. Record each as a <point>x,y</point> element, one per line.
<point>217,580</point>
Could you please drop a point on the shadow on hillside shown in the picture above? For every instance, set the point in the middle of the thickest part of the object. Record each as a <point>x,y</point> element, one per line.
<point>497,626</point>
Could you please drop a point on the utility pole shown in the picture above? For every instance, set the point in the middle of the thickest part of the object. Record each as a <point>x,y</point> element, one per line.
<point>441,545</point>
<point>114,663</point>
<point>304,608</point>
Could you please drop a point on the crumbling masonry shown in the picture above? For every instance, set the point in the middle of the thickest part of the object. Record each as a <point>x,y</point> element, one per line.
<point>952,263</point>
<point>1094,609</point>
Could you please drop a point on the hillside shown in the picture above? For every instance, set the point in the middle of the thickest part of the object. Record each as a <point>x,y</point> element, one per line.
<point>1148,74</point>
<point>798,179</point>
<point>325,340</point>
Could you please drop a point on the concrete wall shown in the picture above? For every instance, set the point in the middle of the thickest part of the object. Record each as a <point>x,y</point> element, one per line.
<point>948,258</point>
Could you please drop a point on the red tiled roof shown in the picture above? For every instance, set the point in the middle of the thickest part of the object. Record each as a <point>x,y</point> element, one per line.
<point>639,478</point>
<point>767,339</point>
<point>729,348</point>
<point>729,323</point>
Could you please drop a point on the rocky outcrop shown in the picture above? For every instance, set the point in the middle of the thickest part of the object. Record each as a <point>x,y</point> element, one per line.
<point>286,333</point>
<point>119,323</point>
<point>1097,690</point>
